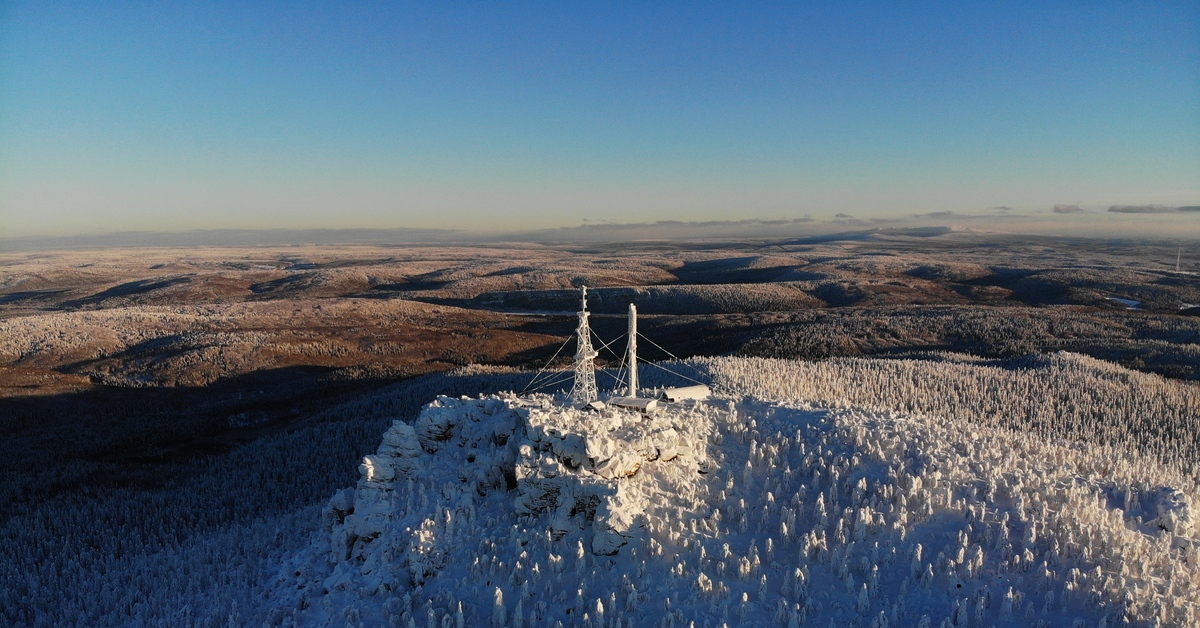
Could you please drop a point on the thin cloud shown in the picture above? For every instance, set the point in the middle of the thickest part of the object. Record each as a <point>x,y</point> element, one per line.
<point>951,215</point>
<point>1141,209</point>
<point>1069,209</point>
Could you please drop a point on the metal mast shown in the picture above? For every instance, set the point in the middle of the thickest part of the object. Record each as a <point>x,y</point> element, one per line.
<point>633,382</point>
<point>584,391</point>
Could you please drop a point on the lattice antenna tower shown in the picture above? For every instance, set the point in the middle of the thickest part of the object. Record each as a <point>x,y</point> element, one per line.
<point>584,391</point>
<point>632,359</point>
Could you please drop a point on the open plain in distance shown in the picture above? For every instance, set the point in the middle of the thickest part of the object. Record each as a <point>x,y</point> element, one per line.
<point>175,419</point>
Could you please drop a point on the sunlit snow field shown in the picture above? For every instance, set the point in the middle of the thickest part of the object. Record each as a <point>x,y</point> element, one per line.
<point>820,482</point>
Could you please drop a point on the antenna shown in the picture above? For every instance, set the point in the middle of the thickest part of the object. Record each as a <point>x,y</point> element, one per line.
<point>584,391</point>
<point>1178,254</point>
<point>633,381</point>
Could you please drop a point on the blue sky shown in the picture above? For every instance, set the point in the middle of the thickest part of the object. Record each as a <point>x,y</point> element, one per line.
<point>165,116</point>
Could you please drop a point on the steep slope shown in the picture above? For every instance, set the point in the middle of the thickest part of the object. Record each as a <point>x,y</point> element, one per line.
<point>741,511</point>
<point>229,539</point>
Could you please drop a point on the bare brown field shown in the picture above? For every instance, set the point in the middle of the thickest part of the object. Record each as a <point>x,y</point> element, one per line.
<point>193,316</point>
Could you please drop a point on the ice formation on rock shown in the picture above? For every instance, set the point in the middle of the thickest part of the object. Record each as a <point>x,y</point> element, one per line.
<point>1174,511</point>
<point>734,511</point>
<point>555,460</point>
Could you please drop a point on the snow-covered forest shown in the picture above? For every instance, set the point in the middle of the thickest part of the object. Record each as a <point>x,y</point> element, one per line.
<point>1061,395</point>
<point>176,422</point>
<point>868,492</point>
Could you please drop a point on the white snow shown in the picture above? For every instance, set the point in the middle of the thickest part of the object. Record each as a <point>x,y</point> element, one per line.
<point>740,511</point>
<point>698,391</point>
<point>640,404</point>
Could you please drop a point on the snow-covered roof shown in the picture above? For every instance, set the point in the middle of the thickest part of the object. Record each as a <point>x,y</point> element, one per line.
<point>640,404</point>
<point>699,391</point>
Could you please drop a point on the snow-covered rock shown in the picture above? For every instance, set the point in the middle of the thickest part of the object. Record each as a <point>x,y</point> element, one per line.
<point>1174,512</point>
<point>726,511</point>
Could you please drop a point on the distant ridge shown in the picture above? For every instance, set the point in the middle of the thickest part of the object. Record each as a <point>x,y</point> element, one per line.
<point>230,237</point>
<point>911,232</point>
<point>796,231</point>
<point>802,228</point>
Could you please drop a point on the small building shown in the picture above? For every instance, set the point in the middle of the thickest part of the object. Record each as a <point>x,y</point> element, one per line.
<point>699,391</point>
<point>639,404</point>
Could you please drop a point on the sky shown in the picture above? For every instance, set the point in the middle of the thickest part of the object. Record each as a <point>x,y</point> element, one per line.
<point>161,116</point>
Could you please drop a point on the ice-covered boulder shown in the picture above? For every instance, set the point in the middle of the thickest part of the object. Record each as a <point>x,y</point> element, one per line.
<point>1174,512</point>
<point>666,444</point>
<point>372,511</point>
<point>400,441</point>
<point>436,424</point>
<point>571,449</point>
<point>398,521</point>
<point>378,469</point>
<point>600,447</point>
<point>540,480</point>
<point>615,518</point>
<point>622,465</point>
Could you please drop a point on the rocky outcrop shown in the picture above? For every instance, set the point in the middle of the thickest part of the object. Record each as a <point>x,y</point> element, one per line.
<point>578,468</point>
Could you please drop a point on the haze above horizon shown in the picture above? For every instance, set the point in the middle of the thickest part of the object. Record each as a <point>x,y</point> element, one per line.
<point>173,116</point>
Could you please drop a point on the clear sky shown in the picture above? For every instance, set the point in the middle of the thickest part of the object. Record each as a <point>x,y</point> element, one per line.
<point>198,115</point>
